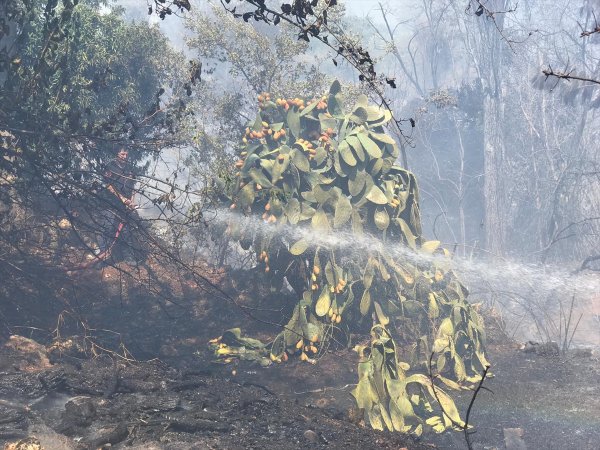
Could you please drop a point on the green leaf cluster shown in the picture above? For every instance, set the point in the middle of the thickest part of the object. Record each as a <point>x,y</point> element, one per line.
<point>74,77</point>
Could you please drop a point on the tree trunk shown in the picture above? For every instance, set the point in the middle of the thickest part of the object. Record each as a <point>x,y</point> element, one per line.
<point>491,61</point>
<point>7,38</point>
<point>494,193</point>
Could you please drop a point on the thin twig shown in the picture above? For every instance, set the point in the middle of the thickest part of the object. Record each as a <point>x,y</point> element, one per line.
<point>465,426</point>
<point>479,387</point>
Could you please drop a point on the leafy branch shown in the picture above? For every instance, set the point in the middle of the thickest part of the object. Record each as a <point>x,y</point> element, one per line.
<point>164,8</point>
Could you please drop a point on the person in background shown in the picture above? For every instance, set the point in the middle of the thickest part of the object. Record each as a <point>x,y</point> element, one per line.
<point>119,209</point>
<point>120,179</point>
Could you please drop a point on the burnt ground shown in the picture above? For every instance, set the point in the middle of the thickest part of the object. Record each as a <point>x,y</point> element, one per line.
<point>126,364</point>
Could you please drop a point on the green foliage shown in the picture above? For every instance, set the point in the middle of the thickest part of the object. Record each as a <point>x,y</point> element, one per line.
<point>251,58</point>
<point>311,164</point>
<point>76,83</point>
<point>78,77</point>
<point>258,61</point>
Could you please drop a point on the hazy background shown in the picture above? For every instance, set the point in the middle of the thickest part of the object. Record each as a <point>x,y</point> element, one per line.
<point>507,160</point>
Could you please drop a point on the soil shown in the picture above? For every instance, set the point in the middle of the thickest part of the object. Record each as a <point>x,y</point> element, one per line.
<point>127,365</point>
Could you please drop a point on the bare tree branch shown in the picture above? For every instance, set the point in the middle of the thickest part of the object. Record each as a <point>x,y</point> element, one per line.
<point>549,72</point>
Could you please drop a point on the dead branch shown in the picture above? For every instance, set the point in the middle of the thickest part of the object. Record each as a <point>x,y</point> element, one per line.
<point>465,426</point>
<point>590,32</point>
<point>586,264</point>
<point>482,10</point>
<point>549,72</point>
<point>596,29</point>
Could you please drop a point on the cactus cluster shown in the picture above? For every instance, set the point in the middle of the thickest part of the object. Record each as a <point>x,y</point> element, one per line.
<point>309,163</point>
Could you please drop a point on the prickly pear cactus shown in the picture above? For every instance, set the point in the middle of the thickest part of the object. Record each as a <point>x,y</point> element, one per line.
<point>386,392</point>
<point>312,166</point>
